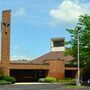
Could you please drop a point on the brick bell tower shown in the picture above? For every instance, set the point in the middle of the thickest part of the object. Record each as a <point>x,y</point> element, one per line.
<point>5,41</point>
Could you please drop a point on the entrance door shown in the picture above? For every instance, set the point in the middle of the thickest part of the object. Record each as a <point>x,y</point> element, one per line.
<point>70,73</point>
<point>28,75</point>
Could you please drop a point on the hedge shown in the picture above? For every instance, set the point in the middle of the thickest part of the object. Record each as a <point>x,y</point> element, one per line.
<point>3,82</point>
<point>9,79</point>
<point>50,79</point>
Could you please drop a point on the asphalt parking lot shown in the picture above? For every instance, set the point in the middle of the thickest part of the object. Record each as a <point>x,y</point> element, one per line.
<point>37,87</point>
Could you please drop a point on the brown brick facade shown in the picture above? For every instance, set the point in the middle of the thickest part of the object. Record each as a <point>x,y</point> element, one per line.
<point>54,66</point>
<point>56,69</point>
<point>5,41</point>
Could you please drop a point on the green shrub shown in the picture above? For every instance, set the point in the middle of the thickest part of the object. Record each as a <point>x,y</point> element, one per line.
<point>70,80</point>
<point>9,79</point>
<point>50,79</point>
<point>3,82</point>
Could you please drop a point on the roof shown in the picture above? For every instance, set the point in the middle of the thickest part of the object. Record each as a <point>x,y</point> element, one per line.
<point>52,56</point>
<point>57,38</point>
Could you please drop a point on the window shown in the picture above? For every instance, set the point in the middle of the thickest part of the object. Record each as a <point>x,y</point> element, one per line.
<point>58,43</point>
<point>6,33</point>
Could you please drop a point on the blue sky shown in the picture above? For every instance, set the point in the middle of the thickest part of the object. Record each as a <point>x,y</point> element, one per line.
<point>35,22</point>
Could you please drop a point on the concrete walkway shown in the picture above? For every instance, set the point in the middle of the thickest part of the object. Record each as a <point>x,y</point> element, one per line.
<point>37,86</point>
<point>27,83</point>
<point>31,86</point>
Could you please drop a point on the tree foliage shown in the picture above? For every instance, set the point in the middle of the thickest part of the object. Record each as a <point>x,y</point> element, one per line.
<point>83,29</point>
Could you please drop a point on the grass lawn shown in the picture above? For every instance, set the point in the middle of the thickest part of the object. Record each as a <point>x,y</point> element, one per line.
<point>74,86</point>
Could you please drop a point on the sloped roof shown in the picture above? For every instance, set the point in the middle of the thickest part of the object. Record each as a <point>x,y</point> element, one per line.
<point>52,56</point>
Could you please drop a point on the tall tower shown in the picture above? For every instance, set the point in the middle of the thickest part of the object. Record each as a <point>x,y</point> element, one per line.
<point>5,40</point>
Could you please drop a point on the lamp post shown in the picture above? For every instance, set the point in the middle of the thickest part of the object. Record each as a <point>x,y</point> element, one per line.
<point>78,60</point>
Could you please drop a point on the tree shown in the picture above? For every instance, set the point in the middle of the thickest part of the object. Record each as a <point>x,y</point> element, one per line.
<point>83,28</point>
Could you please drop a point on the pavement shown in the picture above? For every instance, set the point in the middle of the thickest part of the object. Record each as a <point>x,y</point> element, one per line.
<point>29,83</point>
<point>36,86</point>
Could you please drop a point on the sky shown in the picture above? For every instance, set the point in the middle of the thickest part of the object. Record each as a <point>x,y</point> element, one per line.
<point>35,22</point>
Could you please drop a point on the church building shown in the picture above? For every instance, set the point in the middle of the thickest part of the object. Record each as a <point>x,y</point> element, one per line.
<point>51,64</point>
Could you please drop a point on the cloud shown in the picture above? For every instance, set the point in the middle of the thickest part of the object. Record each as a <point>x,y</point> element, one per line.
<point>20,57</point>
<point>20,12</point>
<point>69,11</point>
<point>19,53</point>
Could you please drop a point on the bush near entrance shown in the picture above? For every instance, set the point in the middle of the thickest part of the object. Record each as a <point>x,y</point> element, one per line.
<point>7,80</point>
<point>53,80</point>
<point>67,80</point>
<point>3,82</point>
<point>50,79</point>
<point>10,79</point>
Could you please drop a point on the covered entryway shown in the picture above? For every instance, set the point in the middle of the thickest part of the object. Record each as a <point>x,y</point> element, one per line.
<point>22,75</point>
<point>70,73</point>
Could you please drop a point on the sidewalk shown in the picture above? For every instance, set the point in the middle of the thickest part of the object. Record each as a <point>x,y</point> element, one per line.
<point>27,83</point>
